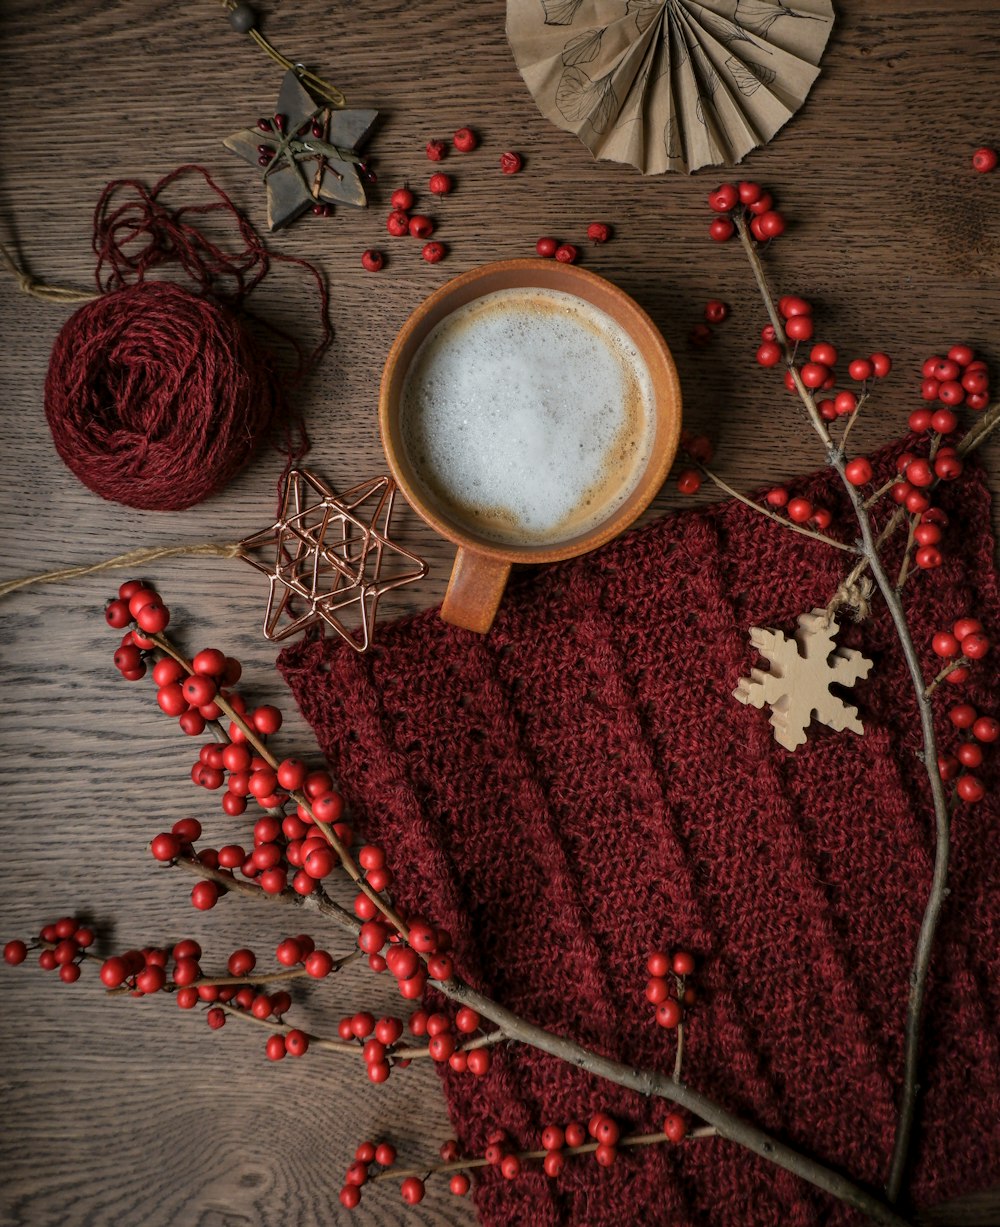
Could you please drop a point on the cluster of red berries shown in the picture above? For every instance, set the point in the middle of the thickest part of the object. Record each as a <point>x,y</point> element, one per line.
<point>356,1176</point>
<point>960,378</point>
<point>911,490</point>
<point>965,642</point>
<point>660,965</point>
<point>757,204</point>
<point>799,510</point>
<point>568,253</point>
<point>401,221</point>
<point>63,943</point>
<point>961,766</point>
<point>698,447</point>
<point>716,312</point>
<point>465,141</point>
<point>444,1039</point>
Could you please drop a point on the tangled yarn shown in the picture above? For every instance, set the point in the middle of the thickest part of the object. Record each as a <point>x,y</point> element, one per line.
<point>157,395</point>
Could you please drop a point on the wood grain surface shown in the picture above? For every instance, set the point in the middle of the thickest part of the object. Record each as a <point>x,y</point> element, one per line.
<point>127,1112</point>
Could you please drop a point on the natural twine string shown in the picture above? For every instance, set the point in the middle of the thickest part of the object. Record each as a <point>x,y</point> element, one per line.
<point>38,289</point>
<point>231,549</point>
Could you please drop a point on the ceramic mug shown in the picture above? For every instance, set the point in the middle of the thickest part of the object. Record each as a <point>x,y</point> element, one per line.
<point>547,504</point>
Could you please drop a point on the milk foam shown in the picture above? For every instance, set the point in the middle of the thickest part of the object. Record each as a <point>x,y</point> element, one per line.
<point>529,413</point>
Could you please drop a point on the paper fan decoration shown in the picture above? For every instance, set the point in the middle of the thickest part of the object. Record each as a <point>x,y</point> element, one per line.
<point>669,84</point>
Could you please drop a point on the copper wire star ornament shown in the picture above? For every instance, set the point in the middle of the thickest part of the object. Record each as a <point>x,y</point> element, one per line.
<point>330,553</point>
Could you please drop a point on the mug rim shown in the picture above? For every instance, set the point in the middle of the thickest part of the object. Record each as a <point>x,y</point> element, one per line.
<point>534,273</point>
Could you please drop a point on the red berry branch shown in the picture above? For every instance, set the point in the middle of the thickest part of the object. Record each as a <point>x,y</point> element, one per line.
<point>301,829</point>
<point>746,211</point>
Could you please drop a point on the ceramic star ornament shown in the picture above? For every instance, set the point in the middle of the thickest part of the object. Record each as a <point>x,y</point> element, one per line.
<point>308,152</point>
<point>330,555</point>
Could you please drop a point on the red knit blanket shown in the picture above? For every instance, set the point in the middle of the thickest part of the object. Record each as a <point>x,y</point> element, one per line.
<point>579,787</point>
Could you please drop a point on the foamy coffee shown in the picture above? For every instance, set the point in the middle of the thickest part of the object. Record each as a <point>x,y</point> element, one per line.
<point>528,415</point>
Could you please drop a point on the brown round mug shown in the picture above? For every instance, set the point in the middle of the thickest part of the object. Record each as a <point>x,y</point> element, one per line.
<point>483,565</point>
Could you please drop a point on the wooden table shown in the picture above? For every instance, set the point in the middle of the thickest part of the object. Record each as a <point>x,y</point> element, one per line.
<point>129,1112</point>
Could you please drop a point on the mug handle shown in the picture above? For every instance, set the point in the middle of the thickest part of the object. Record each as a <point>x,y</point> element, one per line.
<point>474,590</point>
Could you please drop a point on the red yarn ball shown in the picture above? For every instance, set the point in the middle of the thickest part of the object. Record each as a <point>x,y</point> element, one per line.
<point>157,397</point>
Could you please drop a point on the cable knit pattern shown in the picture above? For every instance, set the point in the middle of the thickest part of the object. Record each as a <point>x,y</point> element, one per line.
<point>579,787</point>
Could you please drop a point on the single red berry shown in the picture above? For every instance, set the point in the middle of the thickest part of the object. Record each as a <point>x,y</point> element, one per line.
<point>749,192</point>
<point>975,380</point>
<point>141,597</point>
<point>778,497</point>
<point>858,471</point>
<point>916,502</point>
<point>970,755</point>
<point>986,730</point>
<point>970,788</point>
<point>945,644</point>
<point>165,847</point>
<point>117,614</point>
<point>350,1196</point>
<point>546,247</point>
<point>385,1154</point>
<point>919,473</point>
<point>700,336</point>
<point>951,392</point>
<point>724,198</point>
<point>420,226</point>
<point>510,1167</point>
<point>318,964</point>
<point>657,990</point>
<point>459,1184</point>
<point>598,232</point>
<point>553,1163</point>
<point>721,229</point>
<point>881,365</point>
<point>16,952</point>
<point>205,895</point>
<point>769,354</point>
<point>274,1049</point>
<point>465,140</point>
<point>682,963</point>
<point>928,557</point>
<point>266,720</point>
<point>441,184</point>
<point>479,1061</point>
<point>398,223</point>
<point>372,260</point>
<point>668,1013</point>
<point>927,534</point>
<point>69,973</point>
<point>814,374</point>
<point>716,311</point>
<point>799,510</point>
<point>947,465</point>
<point>510,162</point>
<point>388,1030</point>
<point>824,353</point>
<point>975,646</point>
<point>296,1042</point>
<point>771,224</point>
<point>962,354</point>
<point>436,150</point>
<point>984,160</point>
<point>689,481</point>
<point>675,1127</point>
<point>434,253</point>
<point>921,420</point>
<point>763,204</point>
<point>799,328</point>
<point>566,253</point>
<point>412,1190</point>
<point>553,1138</point>
<point>963,716</point>
<point>966,626</point>
<point>860,369</point>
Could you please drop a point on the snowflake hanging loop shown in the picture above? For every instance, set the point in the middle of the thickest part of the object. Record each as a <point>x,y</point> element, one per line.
<point>796,685</point>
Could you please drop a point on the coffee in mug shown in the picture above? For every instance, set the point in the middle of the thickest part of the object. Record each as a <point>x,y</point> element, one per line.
<point>529,411</point>
<point>527,415</point>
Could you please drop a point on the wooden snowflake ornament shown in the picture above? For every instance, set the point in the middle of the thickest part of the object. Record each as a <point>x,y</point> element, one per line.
<point>796,685</point>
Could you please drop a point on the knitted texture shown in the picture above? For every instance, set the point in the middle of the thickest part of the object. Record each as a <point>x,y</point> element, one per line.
<point>579,787</point>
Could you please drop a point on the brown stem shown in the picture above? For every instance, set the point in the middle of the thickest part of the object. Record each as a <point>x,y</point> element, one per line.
<point>462,1165</point>
<point>904,566</point>
<point>764,511</point>
<point>961,662</point>
<point>938,890</point>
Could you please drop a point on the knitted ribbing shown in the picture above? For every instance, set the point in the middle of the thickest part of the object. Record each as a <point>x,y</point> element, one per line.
<point>579,787</point>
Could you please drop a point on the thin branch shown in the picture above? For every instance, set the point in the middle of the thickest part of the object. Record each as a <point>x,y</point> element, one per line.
<point>764,511</point>
<point>938,890</point>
